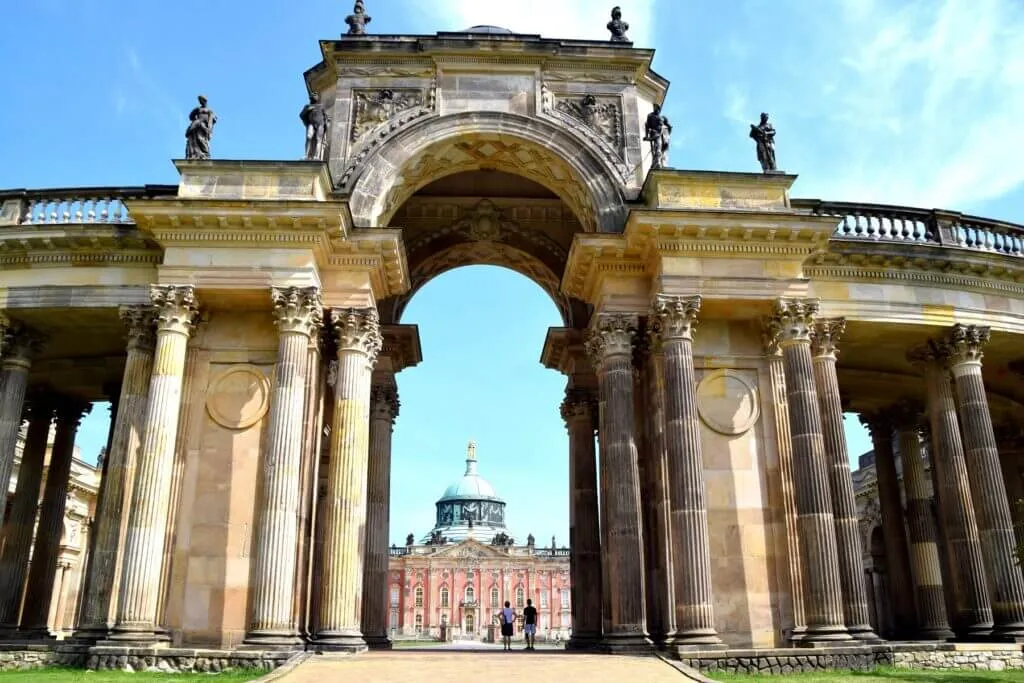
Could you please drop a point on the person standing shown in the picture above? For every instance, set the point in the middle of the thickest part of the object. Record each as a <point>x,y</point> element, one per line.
<point>530,624</point>
<point>508,617</point>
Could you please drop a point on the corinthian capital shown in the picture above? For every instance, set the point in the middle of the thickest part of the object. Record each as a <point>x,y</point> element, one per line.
<point>71,410</point>
<point>384,403</point>
<point>674,317</point>
<point>611,335</point>
<point>825,336</point>
<point>963,344</point>
<point>176,307</point>
<point>140,324</point>
<point>791,321</point>
<point>297,309</point>
<point>579,404</point>
<point>20,343</point>
<point>357,329</point>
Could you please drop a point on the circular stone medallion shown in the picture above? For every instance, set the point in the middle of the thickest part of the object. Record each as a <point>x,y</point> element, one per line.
<point>727,402</point>
<point>238,397</point>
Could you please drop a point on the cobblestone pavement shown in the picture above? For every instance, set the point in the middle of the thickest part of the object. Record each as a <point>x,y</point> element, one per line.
<point>445,666</point>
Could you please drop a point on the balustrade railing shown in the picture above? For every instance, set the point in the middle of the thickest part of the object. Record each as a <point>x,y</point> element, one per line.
<point>395,551</point>
<point>884,223</point>
<point>74,206</point>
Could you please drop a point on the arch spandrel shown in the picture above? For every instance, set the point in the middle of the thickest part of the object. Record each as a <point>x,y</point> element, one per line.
<point>433,148</point>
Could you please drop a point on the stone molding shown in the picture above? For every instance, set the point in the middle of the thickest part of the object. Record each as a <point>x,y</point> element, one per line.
<point>825,336</point>
<point>792,320</point>
<point>612,334</point>
<point>176,308</point>
<point>358,330</point>
<point>140,325</point>
<point>384,403</point>
<point>297,310</point>
<point>674,317</point>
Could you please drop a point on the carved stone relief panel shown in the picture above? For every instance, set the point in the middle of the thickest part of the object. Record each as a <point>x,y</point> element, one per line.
<point>601,115</point>
<point>373,108</point>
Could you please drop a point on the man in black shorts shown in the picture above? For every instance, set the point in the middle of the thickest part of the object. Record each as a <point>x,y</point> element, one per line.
<point>530,624</point>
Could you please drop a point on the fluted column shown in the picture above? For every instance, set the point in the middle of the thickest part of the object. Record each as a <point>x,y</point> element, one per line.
<point>972,618</point>
<point>298,314</point>
<point>790,325</point>
<point>674,320</point>
<point>176,310</point>
<point>963,350</point>
<point>21,525</point>
<point>384,407</point>
<point>825,337</point>
<point>358,335</point>
<point>925,567</point>
<point>100,588</point>
<point>901,587</point>
<point>579,410</point>
<point>1010,440</point>
<point>18,344</point>
<point>43,570</point>
<point>610,346</point>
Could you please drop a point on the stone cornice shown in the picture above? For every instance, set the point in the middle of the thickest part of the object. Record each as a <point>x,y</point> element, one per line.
<point>71,244</point>
<point>401,346</point>
<point>377,251</point>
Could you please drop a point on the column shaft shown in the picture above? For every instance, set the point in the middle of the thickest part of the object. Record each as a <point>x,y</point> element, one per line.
<point>579,410</point>
<point>341,580</point>
<point>43,570</point>
<point>988,491</point>
<point>925,567</point>
<point>17,346</point>
<point>825,336</point>
<point>657,486</point>
<point>147,524</point>
<point>610,345</point>
<point>676,318</point>
<point>100,588</point>
<point>21,525</point>
<point>383,410</point>
<point>298,314</point>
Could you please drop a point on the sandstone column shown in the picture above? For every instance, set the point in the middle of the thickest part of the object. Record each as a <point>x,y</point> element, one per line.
<point>825,336</point>
<point>674,321</point>
<point>1010,440</point>
<point>21,525</point>
<point>791,326</point>
<point>963,348</point>
<point>904,619</point>
<point>176,311</point>
<point>108,530</point>
<point>43,570</point>
<point>341,577</point>
<point>610,347</point>
<point>926,570</point>
<point>973,616</point>
<point>18,344</point>
<point>384,407</point>
<point>298,313</point>
<point>579,410</point>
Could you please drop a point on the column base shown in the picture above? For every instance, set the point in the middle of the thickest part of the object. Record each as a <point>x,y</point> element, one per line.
<point>941,634</point>
<point>627,643</point>
<point>825,636</point>
<point>272,640</point>
<point>338,641</point>
<point>1008,633</point>
<point>695,639</point>
<point>42,633</point>
<point>378,642</point>
<point>137,635</point>
<point>974,633</point>
<point>796,634</point>
<point>584,642</point>
<point>864,634</point>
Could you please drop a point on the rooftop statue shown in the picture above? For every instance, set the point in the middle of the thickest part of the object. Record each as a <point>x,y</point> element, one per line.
<point>315,118</point>
<point>618,27</point>
<point>200,130</point>
<point>358,20</point>
<point>763,135</point>
<point>658,131</point>
<point>409,540</point>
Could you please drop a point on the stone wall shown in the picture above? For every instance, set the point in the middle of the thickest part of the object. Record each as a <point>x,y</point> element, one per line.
<point>984,657</point>
<point>181,660</point>
<point>21,657</point>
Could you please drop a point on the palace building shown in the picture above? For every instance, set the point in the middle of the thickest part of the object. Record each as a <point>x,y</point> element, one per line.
<point>452,583</point>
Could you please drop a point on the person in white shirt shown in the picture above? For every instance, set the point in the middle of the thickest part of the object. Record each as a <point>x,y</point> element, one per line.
<point>508,618</point>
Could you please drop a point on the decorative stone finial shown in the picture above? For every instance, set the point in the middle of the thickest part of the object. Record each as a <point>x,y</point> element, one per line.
<point>471,458</point>
<point>617,27</point>
<point>358,20</point>
<point>763,135</point>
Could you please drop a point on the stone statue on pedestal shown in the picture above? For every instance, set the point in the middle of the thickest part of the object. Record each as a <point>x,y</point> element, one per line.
<point>658,131</point>
<point>358,20</point>
<point>763,135</point>
<point>315,118</point>
<point>618,27</point>
<point>199,131</point>
<point>409,540</point>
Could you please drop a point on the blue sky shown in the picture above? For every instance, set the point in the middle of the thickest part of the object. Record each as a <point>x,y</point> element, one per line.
<point>917,103</point>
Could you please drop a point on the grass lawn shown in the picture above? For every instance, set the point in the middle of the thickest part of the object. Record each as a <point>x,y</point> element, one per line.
<point>882,676</point>
<point>82,676</point>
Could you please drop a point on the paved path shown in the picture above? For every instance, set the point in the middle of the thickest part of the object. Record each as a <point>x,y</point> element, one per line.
<point>447,666</point>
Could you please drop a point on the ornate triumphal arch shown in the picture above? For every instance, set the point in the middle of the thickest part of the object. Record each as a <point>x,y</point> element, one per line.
<point>244,504</point>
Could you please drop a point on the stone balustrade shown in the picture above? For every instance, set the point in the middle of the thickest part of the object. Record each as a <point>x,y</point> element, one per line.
<point>103,205</point>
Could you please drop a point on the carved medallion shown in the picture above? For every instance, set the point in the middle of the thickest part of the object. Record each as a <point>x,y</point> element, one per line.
<point>727,402</point>
<point>373,108</point>
<point>485,224</point>
<point>238,397</point>
<point>603,116</point>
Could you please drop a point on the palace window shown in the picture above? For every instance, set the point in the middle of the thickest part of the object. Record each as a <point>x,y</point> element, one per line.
<point>470,594</point>
<point>520,597</point>
<point>544,599</point>
<point>394,595</point>
<point>419,623</point>
<point>494,598</point>
<point>419,597</point>
<point>444,596</point>
<point>564,599</point>
<point>394,619</point>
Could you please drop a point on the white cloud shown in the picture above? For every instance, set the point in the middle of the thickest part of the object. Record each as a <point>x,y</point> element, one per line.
<point>579,19</point>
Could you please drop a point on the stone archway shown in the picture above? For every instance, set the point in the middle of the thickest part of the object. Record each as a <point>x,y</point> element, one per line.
<point>531,147</point>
